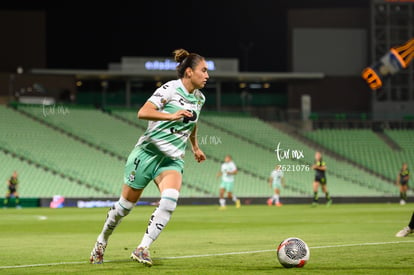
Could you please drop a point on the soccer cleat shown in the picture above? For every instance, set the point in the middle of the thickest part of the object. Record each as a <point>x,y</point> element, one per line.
<point>269,202</point>
<point>222,208</point>
<point>404,232</point>
<point>238,204</point>
<point>142,255</point>
<point>402,202</point>
<point>329,202</point>
<point>278,204</point>
<point>97,253</point>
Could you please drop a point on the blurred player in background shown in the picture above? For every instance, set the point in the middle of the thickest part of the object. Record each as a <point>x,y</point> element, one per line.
<point>227,172</point>
<point>402,181</point>
<point>276,181</point>
<point>408,229</point>
<point>12,185</point>
<point>172,111</point>
<point>320,180</point>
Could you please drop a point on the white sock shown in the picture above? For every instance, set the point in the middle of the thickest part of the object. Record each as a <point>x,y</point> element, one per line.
<point>222,202</point>
<point>276,198</point>
<point>161,216</point>
<point>234,198</point>
<point>114,217</point>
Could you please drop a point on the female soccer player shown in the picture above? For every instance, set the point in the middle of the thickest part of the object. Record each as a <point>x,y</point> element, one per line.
<point>276,180</point>
<point>173,112</point>
<point>228,170</point>
<point>320,179</point>
<point>12,185</point>
<point>402,181</point>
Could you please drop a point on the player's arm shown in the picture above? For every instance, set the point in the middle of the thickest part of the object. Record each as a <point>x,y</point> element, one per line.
<point>318,167</point>
<point>234,172</point>
<point>198,154</point>
<point>322,168</point>
<point>150,112</point>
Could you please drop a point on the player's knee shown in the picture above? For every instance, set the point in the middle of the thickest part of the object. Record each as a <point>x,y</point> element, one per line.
<point>123,207</point>
<point>169,198</point>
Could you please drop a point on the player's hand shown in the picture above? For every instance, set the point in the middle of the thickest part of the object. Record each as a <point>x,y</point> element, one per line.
<point>180,114</point>
<point>199,155</point>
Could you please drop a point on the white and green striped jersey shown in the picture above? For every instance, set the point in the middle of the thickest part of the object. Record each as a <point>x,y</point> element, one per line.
<point>227,167</point>
<point>170,137</point>
<point>277,176</point>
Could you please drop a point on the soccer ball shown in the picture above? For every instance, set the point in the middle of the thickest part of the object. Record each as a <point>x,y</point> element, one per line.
<point>293,252</point>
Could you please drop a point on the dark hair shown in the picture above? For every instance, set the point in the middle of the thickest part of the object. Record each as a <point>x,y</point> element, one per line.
<point>185,60</point>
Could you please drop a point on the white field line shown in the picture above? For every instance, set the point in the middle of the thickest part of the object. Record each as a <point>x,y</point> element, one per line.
<point>208,255</point>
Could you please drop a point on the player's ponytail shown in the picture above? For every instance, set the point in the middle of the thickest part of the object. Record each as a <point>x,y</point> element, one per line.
<point>180,55</point>
<point>185,60</point>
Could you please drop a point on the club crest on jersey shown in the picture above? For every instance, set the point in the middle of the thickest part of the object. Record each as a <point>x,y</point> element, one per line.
<point>131,177</point>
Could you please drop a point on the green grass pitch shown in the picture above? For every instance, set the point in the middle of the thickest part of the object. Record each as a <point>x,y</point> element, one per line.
<point>343,239</point>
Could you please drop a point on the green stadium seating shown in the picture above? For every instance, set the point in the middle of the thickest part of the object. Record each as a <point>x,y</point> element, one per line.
<point>88,147</point>
<point>96,127</point>
<point>265,136</point>
<point>37,182</point>
<point>367,149</point>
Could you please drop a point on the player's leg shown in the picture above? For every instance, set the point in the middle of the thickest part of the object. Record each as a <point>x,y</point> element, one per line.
<point>119,210</point>
<point>115,214</point>
<point>17,199</point>
<point>411,223</point>
<point>326,192</point>
<point>136,177</point>
<point>270,201</point>
<point>230,194</point>
<point>169,184</point>
<point>6,199</point>
<point>233,198</point>
<point>403,193</point>
<point>276,197</point>
<point>222,200</point>
<point>315,192</point>
<point>406,190</point>
<point>408,229</point>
